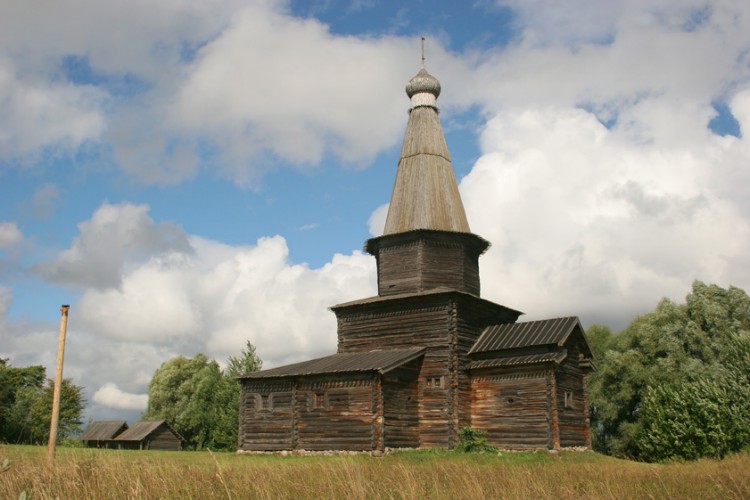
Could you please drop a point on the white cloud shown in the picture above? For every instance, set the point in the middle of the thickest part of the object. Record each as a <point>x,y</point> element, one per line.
<point>589,221</point>
<point>273,83</point>
<point>212,298</point>
<point>376,222</point>
<point>35,113</point>
<point>9,234</point>
<point>113,397</point>
<point>116,238</point>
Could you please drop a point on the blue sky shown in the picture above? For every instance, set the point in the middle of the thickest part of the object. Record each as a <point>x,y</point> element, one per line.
<point>189,176</point>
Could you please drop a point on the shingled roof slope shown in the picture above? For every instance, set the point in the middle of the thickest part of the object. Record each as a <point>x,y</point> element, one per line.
<point>381,361</point>
<point>526,334</point>
<point>103,430</point>
<point>140,430</point>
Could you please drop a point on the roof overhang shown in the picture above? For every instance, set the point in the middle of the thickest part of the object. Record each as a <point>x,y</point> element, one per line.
<point>380,361</point>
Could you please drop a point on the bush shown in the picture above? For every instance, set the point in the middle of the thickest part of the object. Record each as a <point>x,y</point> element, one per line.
<point>473,441</point>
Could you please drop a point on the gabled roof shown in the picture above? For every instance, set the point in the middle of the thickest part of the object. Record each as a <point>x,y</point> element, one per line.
<point>530,359</point>
<point>103,430</point>
<point>527,334</point>
<point>380,361</point>
<point>141,430</point>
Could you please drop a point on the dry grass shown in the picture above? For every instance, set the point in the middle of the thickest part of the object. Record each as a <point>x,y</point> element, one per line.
<point>81,473</point>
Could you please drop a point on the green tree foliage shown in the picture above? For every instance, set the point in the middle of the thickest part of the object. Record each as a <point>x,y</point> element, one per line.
<point>247,362</point>
<point>674,383</point>
<point>26,405</point>
<point>199,400</point>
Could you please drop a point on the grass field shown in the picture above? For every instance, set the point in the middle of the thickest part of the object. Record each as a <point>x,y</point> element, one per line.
<point>84,473</point>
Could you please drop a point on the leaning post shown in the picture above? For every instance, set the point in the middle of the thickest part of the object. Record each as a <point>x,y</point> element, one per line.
<point>58,384</point>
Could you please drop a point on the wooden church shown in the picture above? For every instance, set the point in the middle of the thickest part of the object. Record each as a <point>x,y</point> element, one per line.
<point>426,356</point>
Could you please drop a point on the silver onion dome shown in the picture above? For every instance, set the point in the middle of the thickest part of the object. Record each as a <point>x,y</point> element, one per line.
<point>423,82</point>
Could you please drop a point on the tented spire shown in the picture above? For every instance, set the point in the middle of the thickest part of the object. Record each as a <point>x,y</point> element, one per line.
<point>425,194</point>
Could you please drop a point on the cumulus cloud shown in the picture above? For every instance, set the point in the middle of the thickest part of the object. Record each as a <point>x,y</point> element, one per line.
<point>586,220</point>
<point>63,71</point>
<point>35,113</point>
<point>278,84</point>
<point>116,238</point>
<point>158,286</point>
<point>9,234</point>
<point>113,397</point>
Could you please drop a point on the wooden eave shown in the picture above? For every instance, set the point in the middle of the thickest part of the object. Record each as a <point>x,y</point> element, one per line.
<point>479,244</point>
<point>531,359</point>
<point>417,298</point>
<point>380,361</point>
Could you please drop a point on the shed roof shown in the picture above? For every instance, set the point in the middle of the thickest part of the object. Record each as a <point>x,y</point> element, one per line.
<point>526,334</point>
<point>381,361</point>
<point>141,430</point>
<point>530,359</point>
<point>103,430</point>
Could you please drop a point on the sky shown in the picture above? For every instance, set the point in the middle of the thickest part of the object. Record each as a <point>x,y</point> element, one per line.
<point>191,175</point>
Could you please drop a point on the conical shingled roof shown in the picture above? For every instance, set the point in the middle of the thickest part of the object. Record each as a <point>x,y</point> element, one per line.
<point>425,193</point>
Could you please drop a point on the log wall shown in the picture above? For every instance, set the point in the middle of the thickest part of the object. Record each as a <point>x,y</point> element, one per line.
<point>401,405</point>
<point>417,261</point>
<point>164,439</point>
<point>424,321</point>
<point>311,413</point>
<point>266,411</point>
<point>336,414</point>
<point>471,318</point>
<point>512,409</point>
<point>572,397</point>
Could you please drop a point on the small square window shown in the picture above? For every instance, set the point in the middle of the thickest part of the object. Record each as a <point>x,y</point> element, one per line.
<point>263,402</point>
<point>319,400</point>
<point>434,382</point>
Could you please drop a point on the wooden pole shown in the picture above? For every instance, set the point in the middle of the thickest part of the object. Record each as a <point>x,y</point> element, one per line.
<point>58,384</point>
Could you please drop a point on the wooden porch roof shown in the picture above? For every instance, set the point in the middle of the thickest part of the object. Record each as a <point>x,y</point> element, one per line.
<point>527,334</point>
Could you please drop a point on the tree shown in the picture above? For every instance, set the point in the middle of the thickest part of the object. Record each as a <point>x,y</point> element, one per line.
<point>26,405</point>
<point>669,373</point>
<point>13,380</point>
<point>704,417</point>
<point>248,362</point>
<point>198,400</point>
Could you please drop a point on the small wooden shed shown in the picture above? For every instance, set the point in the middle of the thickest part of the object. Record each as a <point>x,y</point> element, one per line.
<point>150,435</point>
<point>102,434</point>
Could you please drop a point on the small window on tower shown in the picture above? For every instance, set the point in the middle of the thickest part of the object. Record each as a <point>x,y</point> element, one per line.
<point>434,382</point>
<point>568,399</point>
